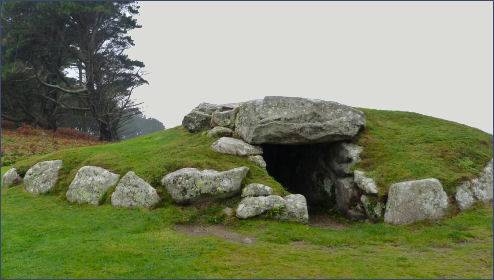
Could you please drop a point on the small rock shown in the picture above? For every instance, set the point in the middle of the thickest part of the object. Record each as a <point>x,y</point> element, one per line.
<point>200,117</point>
<point>254,206</point>
<point>258,159</point>
<point>478,189</point>
<point>366,184</point>
<point>220,131</point>
<point>132,191</point>
<point>42,177</point>
<point>373,208</point>
<point>11,178</point>
<point>232,146</point>
<point>413,201</point>
<point>190,184</point>
<point>255,189</point>
<point>90,185</point>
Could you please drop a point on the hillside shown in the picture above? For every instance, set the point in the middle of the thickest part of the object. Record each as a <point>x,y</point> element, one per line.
<point>59,239</point>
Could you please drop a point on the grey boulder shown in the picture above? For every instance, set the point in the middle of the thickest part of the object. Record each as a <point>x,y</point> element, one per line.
<point>90,185</point>
<point>132,191</point>
<point>224,118</point>
<point>42,177</point>
<point>232,146</point>
<point>188,185</point>
<point>11,178</point>
<point>295,209</point>
<point>257,159</point>
<point>255,189</point>
<point>200,117</point>
<point>256,205</point>
<point>295,120</point>
<point>373,207</point>
<point>413,201</point>
<point>291,208</point>
<point>366,184</point>
<point>478,189</point>
<point>220,131</point>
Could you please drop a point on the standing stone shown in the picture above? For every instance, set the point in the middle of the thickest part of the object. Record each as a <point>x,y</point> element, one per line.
<point>220,131</point>
<point>478,189</point>
<point>258,159</point>
<point>90,185</point>
<point>366,184</point>
<point>232,146</point>
<point>256,205</point>
<point>346,196</point>
<point>190,184</point>
<point>255,189</point>
<point>413,201</point>
<point>11,178</point>
<point>132,191</point>
<point>42,177</point>
<point>294,120</point>
<point>295,209</point>
<point>372,206</point>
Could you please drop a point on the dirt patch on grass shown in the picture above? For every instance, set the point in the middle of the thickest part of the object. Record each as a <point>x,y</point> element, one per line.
<point>215,230</point>
<point>325,221</point>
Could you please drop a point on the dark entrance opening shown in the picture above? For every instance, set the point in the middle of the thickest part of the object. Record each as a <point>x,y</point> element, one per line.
<point>303,169</point>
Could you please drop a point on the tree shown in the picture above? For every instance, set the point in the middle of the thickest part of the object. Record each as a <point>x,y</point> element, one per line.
<point>90,37</point>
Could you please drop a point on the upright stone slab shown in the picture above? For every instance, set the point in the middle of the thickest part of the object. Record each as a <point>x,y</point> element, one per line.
<point>294,120</point>
<point>42,177</point>
<point>413,201</point>
<point>90,185</point>
<point>132,191</point>
<point>188,185</point>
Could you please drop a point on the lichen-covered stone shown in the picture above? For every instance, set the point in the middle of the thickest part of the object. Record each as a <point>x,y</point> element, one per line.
<point>190,184</point>
<point>373,207</point>
<point>413,201</point>
<point>200,117</point>
<point>224,118</point>
<point>366,184</point>
<point>256,205</point>
<point>132,191</point>
<point>257,159</point>
<point>255,189</point>
<point>294,120</point>
<point>232,146</point>
<point>295,209</point>
<point>11,178</point>
<point>42,177</point>
<point>478,189</point>
<point>220,131</point>
<point>90,185</point>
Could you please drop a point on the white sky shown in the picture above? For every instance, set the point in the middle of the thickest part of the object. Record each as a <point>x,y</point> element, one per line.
<point>431,58</point>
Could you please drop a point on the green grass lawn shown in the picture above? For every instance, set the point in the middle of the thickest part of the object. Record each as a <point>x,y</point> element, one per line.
<point>45,236</point>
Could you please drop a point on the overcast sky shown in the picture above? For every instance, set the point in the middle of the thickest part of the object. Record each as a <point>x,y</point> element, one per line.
<point>430,58</point>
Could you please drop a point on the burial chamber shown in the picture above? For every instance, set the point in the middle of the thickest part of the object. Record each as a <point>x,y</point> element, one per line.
<point>307,144</point>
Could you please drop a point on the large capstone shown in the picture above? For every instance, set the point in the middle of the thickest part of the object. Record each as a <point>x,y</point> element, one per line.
<point>42,177</point>
<point>294,120</point>
<point>90,185</point>
<point>413,201</point>
<point>478,189</point>
<point>11,178</point>
<point>132,191</point>
<point>188,185</point>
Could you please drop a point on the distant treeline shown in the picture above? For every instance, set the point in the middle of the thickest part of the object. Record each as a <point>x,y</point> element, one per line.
<point>64,64</point>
